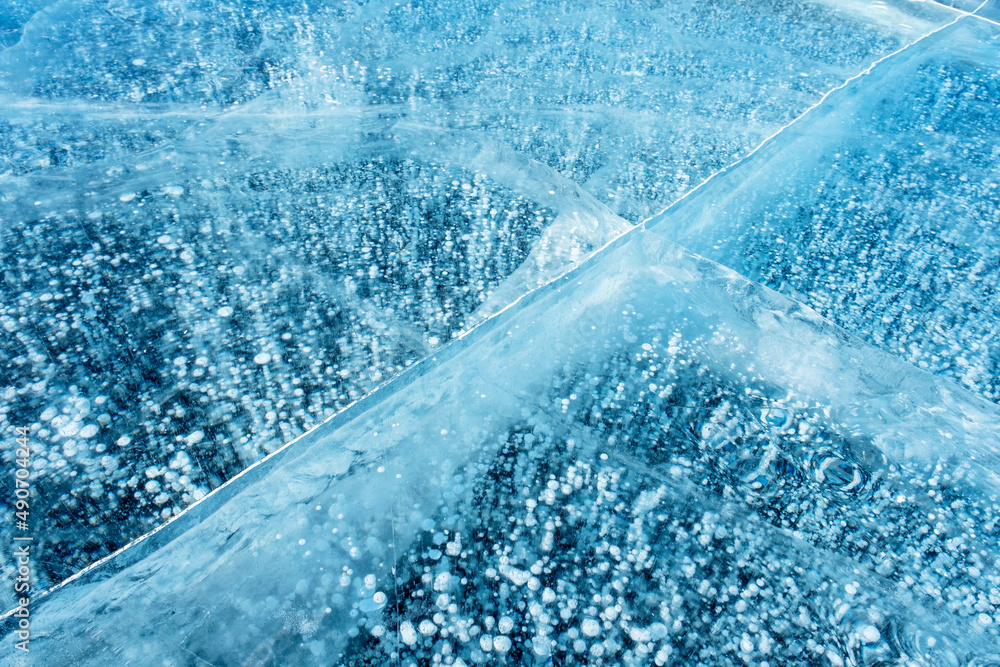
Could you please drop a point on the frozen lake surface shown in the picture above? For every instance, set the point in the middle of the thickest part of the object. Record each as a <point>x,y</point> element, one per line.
<point>619,333</point>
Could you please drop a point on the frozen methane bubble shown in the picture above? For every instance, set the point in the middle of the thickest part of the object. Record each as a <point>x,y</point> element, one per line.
<point>407,633</point>
<point>869,634</point>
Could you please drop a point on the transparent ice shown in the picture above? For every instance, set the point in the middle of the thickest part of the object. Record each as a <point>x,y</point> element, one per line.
<point>393,248</point>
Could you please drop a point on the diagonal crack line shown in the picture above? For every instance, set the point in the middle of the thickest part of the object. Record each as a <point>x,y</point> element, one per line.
<point>964,13</point>
<point>593,257</point>
<point>805,113</point>
<point>600,252</point>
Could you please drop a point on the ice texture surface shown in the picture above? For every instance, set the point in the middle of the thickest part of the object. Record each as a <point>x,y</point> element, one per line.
<point>223,224</point>
<point>670,464</point>
<point>883,213</point>
<point>990,11</point>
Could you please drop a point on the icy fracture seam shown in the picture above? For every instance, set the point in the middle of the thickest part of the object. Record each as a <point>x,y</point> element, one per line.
<point>196,503</point>
<point>965,13</point>
<point>737,162</point>
<point>805,113</point>
<point>983,18</point>
<point>764,142</point>
<point>390,385</point>
<point>593,257</point>
<point>621,237</point>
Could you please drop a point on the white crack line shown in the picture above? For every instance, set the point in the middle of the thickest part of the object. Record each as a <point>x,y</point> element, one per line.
<point>971,14</point>
<point>805,113</point>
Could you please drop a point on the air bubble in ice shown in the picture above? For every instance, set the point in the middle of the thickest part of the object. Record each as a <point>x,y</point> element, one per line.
<point>372,604</point>
<point>838,472</point>
<point>869,634</point>
<point>407,633</point>
<point>776,417</point>
<point>69,429</point>
<point>441,581</point>
<point>640,635</point>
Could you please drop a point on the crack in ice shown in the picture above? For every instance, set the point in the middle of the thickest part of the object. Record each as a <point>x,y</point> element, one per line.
<point>964,13</point>
<point>817,104</point>
<point>591,258</point>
